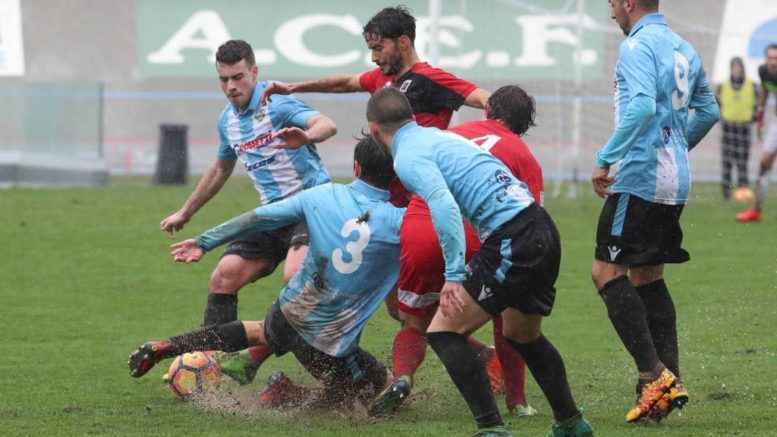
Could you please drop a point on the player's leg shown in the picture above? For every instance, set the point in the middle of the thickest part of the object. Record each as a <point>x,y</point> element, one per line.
<point>726,158</point>
<point>523,332</point>
<point>448,338</point>
<point>229,337</point>
<point>762,183</point>
<point>299,242</point>
<point>513,369</point>
<point>742,155</point>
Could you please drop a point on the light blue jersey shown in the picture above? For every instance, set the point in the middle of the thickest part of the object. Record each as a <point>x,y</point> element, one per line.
<point>352,263</point>
<point>657,66</point>
<point>454,176</point>
<point>277,173</point>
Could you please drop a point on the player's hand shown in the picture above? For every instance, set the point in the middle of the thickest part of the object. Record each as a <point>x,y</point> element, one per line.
<point>187,251</point>
<point>174,222</point>
<point>291,138</point>
<point>276,88</point>
<point>451,301</point>
<point>602,181</point>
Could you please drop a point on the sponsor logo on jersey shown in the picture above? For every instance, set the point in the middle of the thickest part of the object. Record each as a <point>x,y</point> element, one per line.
<point>260,141</point>
<point>259,164</point>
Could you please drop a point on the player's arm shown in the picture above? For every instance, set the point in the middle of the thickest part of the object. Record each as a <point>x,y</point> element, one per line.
<point>761,110</point>
<point>211,183</point>
<point>341,83</point>
<point>477,98</point>
<point>706,112</point>
<point>319,128</point>
<point>421,176</point>
<point>268,217</point>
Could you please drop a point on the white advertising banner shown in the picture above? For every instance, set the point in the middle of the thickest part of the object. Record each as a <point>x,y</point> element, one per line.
<point>11,47</point>
<point>748,27</point>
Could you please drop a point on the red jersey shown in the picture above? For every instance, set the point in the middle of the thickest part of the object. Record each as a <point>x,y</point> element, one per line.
<point>495,138</point>
<point>433,93</point>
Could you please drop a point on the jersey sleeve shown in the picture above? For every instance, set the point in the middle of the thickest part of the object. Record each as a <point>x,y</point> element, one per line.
<point>288,111</point>
<point>268,217</point>
<point>451,90</point>
<point>225,152</point>
<point>368,80</point>
<point>638,68</point>
<point>702,95</point>
<point>422,176</point>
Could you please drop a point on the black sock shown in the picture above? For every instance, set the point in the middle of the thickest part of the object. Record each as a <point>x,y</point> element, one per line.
<point>468,374</point>
<point>228,337</point>
<point>547,367</point>
<point>221,308</point>
<point>662,321</point>
<point>628,316</point>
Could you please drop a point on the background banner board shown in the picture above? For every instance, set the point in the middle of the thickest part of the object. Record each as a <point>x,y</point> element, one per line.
<point>11,41</point>
<point>484,40</point>
<point>749,26</point>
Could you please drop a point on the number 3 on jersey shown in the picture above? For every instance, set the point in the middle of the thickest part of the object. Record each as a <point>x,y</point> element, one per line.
<point>354,248</point>
<point>682,94</point>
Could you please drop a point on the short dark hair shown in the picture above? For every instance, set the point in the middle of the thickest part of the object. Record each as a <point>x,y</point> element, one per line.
<point>772,46</point>
<point>235,50</point>
<point>391,23</point>
<point>376,162</point>
<point>514,106</point>
<point>389,108</point>
<point>648,4</point>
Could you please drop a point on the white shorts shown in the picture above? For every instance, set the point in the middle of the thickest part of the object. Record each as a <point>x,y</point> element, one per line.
<point>770,142</point>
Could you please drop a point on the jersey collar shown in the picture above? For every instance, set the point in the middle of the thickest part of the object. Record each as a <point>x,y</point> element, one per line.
<point>370,191</point>
<point>401,133</point>
<point>654,18</point>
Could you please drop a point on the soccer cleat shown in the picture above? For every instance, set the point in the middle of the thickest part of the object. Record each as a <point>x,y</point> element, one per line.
<point>281,392</point>
<point>677,397</point>
<point>147,355</point>
<point>523,411</point>
<point>751,215</point>
<point>651,393</point>
<point>493,431</point>
<point>575,426</point>
<point>237,365</point>
<point>493,367</point>
<point>390,399</point>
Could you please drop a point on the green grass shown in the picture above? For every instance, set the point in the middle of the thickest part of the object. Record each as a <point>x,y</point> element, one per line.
<point>86,277</point>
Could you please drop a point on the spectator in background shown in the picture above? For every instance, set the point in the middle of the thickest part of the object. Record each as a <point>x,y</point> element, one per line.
<point>738,99</point>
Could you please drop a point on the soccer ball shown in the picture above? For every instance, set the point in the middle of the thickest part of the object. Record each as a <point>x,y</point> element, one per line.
<point>193,373</point>
<point>744,195</point>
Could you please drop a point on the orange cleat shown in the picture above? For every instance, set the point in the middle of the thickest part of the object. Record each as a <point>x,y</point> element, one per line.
<point>652,392</point>
<point>677,397</point>
<point>751,215</point>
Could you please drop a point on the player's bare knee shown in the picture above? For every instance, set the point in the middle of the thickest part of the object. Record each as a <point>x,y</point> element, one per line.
<point>233,274</point>
<point>640,276</point>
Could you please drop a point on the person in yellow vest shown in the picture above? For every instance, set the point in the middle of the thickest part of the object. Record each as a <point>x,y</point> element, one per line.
<point>738,100</point>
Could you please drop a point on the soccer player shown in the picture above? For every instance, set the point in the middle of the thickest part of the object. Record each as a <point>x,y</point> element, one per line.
<point>260,136</point>
<point>352,263</point>
<point>512,275</point>
<point>768,75</point>
<point>433,94</point>
<point>509,114</point>
<point>737,98</point>
<point>659,78</point>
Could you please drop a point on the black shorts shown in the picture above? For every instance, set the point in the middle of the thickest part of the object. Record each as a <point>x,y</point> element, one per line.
<point>356,374</point>
<point>517,265</point>
<point>271,246</point>
<point>634,232</point>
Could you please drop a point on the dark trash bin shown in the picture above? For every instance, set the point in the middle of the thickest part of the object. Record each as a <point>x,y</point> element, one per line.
<point>172,166</point>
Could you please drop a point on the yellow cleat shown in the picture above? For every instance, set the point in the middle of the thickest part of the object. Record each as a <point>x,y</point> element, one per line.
<point>652,393</point>
<point>677,397</point>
